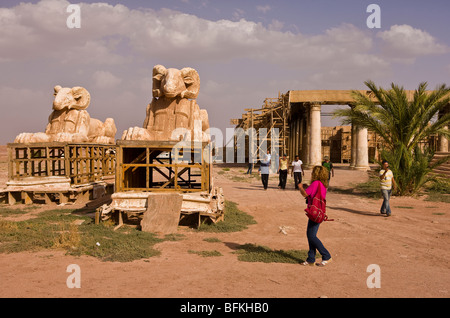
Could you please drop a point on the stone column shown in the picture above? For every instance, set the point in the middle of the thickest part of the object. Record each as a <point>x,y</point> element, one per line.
<point>296,138</point>
<point>315,151</point>
<point>300,134</point>
<point>354,146</point>
<point>291,137</point>
<point>362,151</point>
<point>306,155</point>
<point>443,143</point>
<point>305,134</point>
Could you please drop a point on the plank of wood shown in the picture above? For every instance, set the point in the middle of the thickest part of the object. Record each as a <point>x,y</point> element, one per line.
<point>27,198</point>
<point>174,178</point>
<point>120,222</point>
<point>163,213</point>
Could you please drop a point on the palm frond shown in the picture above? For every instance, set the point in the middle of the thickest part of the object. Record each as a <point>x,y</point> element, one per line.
<point>402,124</point>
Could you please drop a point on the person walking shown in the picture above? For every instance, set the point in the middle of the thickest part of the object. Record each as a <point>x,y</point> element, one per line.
<point>264,169</point>
<point>250,167</point>
<point>319,184</point>
<point>329,165</point>
<point>386,182</point>
<point>283,171</point>
<point>297,171</point>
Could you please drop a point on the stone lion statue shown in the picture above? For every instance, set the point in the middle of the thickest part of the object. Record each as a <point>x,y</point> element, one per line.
<point>173,113</point>
<point>70,122</point>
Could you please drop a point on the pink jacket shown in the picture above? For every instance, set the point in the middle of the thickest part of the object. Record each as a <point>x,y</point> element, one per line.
<point>317,193</point>
<point>316,189</point>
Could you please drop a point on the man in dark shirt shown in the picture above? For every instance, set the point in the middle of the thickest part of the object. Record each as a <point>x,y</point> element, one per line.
<point>329,165</point>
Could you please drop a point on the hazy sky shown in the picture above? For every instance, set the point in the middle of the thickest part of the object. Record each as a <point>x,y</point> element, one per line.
<point>244,52</point>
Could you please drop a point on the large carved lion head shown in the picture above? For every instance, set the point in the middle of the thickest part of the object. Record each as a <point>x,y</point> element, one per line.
<point>71,98</point>
<point>173,82</point>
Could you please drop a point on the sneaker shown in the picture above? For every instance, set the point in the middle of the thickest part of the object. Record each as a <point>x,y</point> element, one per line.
<point>325,263</point>
<point>305,263</point>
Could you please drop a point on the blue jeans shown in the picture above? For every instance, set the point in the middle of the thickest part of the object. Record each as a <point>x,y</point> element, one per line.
<point>315,243</point>
<point>385,207</point>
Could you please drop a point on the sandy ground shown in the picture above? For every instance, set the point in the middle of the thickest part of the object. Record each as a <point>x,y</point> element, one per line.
<point>410,248</point>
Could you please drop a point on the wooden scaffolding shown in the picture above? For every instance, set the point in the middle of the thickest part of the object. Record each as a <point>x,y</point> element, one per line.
<point>162,166</point>
<point>165,181</point>
<point>58,171</point>
<point>270,124</point>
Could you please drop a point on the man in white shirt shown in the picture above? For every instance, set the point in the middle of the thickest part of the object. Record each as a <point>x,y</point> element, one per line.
<point>386,182</point>
<point>297,171</point>
<point>264,169</point>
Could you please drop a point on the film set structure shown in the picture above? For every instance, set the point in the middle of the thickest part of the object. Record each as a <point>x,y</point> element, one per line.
<point>159,175</point>
<point>296,117</point>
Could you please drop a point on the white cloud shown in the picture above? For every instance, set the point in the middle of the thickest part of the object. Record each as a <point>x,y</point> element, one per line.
<point>276,25</point>
<point>240,62</point>
<point>238,14</point>
<point>105,80</point>
<point>114,35</point>
<point>403,42</point>
<point>43,33</point>
<point>263,9</point>
<point>108,31</point>
<point>93,53</point>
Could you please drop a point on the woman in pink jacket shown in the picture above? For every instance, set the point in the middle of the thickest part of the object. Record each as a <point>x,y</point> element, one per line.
<point>318,187</point>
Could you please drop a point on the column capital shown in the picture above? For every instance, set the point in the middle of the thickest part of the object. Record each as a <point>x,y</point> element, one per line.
<point>314,106</point>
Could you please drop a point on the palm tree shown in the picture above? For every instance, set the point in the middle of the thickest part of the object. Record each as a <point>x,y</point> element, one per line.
<point>402,124</point>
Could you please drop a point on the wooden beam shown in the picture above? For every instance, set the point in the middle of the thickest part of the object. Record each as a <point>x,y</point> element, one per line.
<point>174,177</point>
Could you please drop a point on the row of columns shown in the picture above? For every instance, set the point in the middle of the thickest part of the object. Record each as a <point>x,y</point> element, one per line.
<point>313,141</point>
<point>310,143</point>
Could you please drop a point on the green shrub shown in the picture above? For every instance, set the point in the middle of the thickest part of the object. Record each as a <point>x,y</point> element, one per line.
<point>235,220</point>
<point>257,253</point>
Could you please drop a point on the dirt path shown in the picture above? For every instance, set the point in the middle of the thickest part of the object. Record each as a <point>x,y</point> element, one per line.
<point>410,247</point>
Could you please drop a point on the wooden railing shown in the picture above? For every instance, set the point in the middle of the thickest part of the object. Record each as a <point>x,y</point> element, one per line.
<point>81,163</point>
